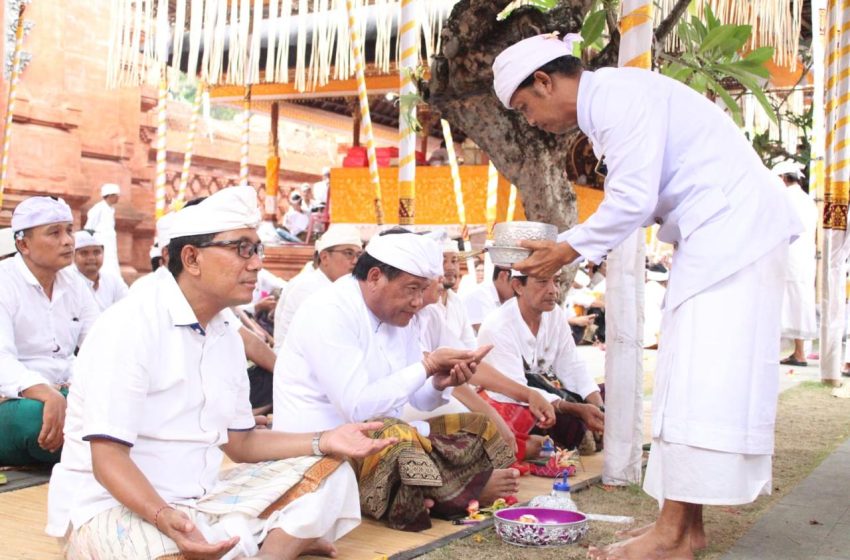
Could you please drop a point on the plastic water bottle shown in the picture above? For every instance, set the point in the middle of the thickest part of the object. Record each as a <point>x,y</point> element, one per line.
<point>559,498</point>
<point>547,449</point>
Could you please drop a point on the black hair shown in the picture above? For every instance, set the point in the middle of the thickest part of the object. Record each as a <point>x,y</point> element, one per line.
<point>521,279</point>
<point>395,230</point>
<point>156,262</point>
<point>175,250</point>
<point>366,262</point>
<point>569,66</point>
<point>194,201</point>
<point>497,270</point>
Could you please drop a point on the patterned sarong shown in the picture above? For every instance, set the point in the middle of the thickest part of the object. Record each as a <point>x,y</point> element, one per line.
<point>451,467</point>
<point>253,490</point>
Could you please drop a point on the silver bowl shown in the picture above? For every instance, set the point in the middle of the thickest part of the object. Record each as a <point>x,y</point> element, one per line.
<point>555,527</point>
<point>507,256</point>
<point>509,234</point>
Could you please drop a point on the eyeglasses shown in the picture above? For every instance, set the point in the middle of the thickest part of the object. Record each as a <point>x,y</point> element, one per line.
<point>244,248</point>
<point>347,253</point>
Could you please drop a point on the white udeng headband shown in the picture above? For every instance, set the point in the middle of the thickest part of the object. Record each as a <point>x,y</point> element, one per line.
<point>522,59</point>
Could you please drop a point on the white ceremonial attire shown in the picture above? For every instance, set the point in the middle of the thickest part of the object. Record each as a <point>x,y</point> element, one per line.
<point>553,347</point>
<point>284,311</point>
<point>481,301</point>
<point>110,288</point>
<point>38,336</point>
<point>653,303</point>
<point>798,305</point>
<point>295,222</point>
<point>434,333</point>
<point>341,364</point>
<point>181,389</point>
<point>101,220</point>
<point>454,314</point>
<point>297,293</point>
<point>675,159</point>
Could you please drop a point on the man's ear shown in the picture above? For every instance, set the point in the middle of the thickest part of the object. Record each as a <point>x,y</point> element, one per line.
<point>191,257</point>
<point>374,275</point>
<point>542,83</point>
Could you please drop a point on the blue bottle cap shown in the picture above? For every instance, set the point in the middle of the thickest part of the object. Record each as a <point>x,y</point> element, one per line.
<point>562,485</point>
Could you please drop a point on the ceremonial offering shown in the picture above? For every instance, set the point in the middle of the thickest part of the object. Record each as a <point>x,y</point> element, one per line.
<point>543,527</point>
<point>507,236</point>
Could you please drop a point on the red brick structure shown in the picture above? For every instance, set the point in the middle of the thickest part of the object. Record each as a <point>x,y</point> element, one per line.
<point>71,134</point>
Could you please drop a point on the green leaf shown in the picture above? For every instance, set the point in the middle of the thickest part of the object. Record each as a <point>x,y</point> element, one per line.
<point>730,103</point>
<point>710,20</point>
<point>760,55</point>
<point>739,37</point>
<point>699,29</point>
<point>592,27</point>
<point>715,38</point>
<point>699,82</point>
<point>751,68</point>
<point>760,96</point>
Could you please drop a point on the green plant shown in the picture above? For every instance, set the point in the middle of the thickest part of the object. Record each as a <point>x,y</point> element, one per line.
<point>542,5</point>
<point>711,54</point>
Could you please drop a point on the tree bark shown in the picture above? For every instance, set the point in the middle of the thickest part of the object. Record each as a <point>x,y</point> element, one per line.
<point>461,88</point>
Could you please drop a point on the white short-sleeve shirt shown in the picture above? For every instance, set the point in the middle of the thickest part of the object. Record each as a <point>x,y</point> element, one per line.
<point>38,336</point>
<point>552,349</point>
<point>150,377</point>
<point>110,288</point>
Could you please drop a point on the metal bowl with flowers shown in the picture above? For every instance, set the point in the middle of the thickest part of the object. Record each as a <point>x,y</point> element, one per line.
<point>506,251</point>
<point>540,527</point>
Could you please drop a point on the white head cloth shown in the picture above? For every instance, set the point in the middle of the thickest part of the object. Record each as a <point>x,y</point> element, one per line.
<point>657,276</point>
<point>163,229</point>
<point>415,254</point>
<point>84,239</point>
<point>228,209</point>
<point>522,59</point>
<point>787,167</point>
<point>339,234</point>
<point>107,189</point>
<point>40,211</point>
<point>7,242</point>
<point>450,246</point>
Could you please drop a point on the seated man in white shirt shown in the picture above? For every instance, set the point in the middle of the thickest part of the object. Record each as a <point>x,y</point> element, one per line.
<point>488,296</point>
<point>350,355</point>
<point>296,219</point>
<point>45,313</point>
<point>336,252</point>
<point>449,303</point>
<point>106,287</point>
<point>144,448</point>
<point>533,345</point>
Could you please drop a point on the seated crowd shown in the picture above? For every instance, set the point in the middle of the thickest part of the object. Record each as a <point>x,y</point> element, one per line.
<point>392,396</point>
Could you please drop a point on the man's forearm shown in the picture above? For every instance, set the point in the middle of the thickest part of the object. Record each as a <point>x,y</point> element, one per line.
<point>491,379</point>
<point>118,474</point>
<point>257,350</point>
<point>255,446</point>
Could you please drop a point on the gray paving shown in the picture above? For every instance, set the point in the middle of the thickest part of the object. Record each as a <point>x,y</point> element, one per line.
<point>812,521</point>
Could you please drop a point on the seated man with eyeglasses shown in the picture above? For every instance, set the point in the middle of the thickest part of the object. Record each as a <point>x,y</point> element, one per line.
<point>336,252</point>
<point>161,392</point>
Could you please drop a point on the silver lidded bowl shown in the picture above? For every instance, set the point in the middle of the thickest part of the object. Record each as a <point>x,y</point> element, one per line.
<point>507,236</point>
<point>554,527</point>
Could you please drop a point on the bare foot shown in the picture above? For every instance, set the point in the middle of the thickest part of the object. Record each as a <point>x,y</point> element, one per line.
<point>503,482</point>
<point>696,535</point>
<point>648,546</point>
<point>320,547</point>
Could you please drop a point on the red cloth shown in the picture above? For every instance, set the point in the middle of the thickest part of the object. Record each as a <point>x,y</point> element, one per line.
<point>518,418</point>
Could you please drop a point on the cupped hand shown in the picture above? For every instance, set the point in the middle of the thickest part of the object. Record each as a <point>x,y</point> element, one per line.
<point>542,409</point>
<point>350,440</point>
<point>177,526</point>
<point>51,437</point>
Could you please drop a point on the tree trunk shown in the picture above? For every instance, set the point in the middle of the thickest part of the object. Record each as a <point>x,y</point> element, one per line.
<point>461,88</point>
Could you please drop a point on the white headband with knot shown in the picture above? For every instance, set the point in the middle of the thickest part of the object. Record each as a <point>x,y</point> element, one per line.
<point>522,59</point>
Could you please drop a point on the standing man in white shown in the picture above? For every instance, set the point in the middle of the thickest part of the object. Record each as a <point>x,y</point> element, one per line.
<point>101,220</point>
<point>799,321</point>
<point>674,158</point>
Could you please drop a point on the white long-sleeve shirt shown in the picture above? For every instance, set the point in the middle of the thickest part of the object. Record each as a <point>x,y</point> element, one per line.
<point>552,350</point>
<point>676,159</point>
<point>341,364</point>
<point>480,302</point>
<point>299,289</point>
<point>38,335</point>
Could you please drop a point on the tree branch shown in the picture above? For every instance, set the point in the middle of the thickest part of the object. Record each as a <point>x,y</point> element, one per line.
<point>667,24</point>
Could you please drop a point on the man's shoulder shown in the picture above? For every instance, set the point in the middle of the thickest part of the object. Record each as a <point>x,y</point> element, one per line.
<point>503,319</point>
